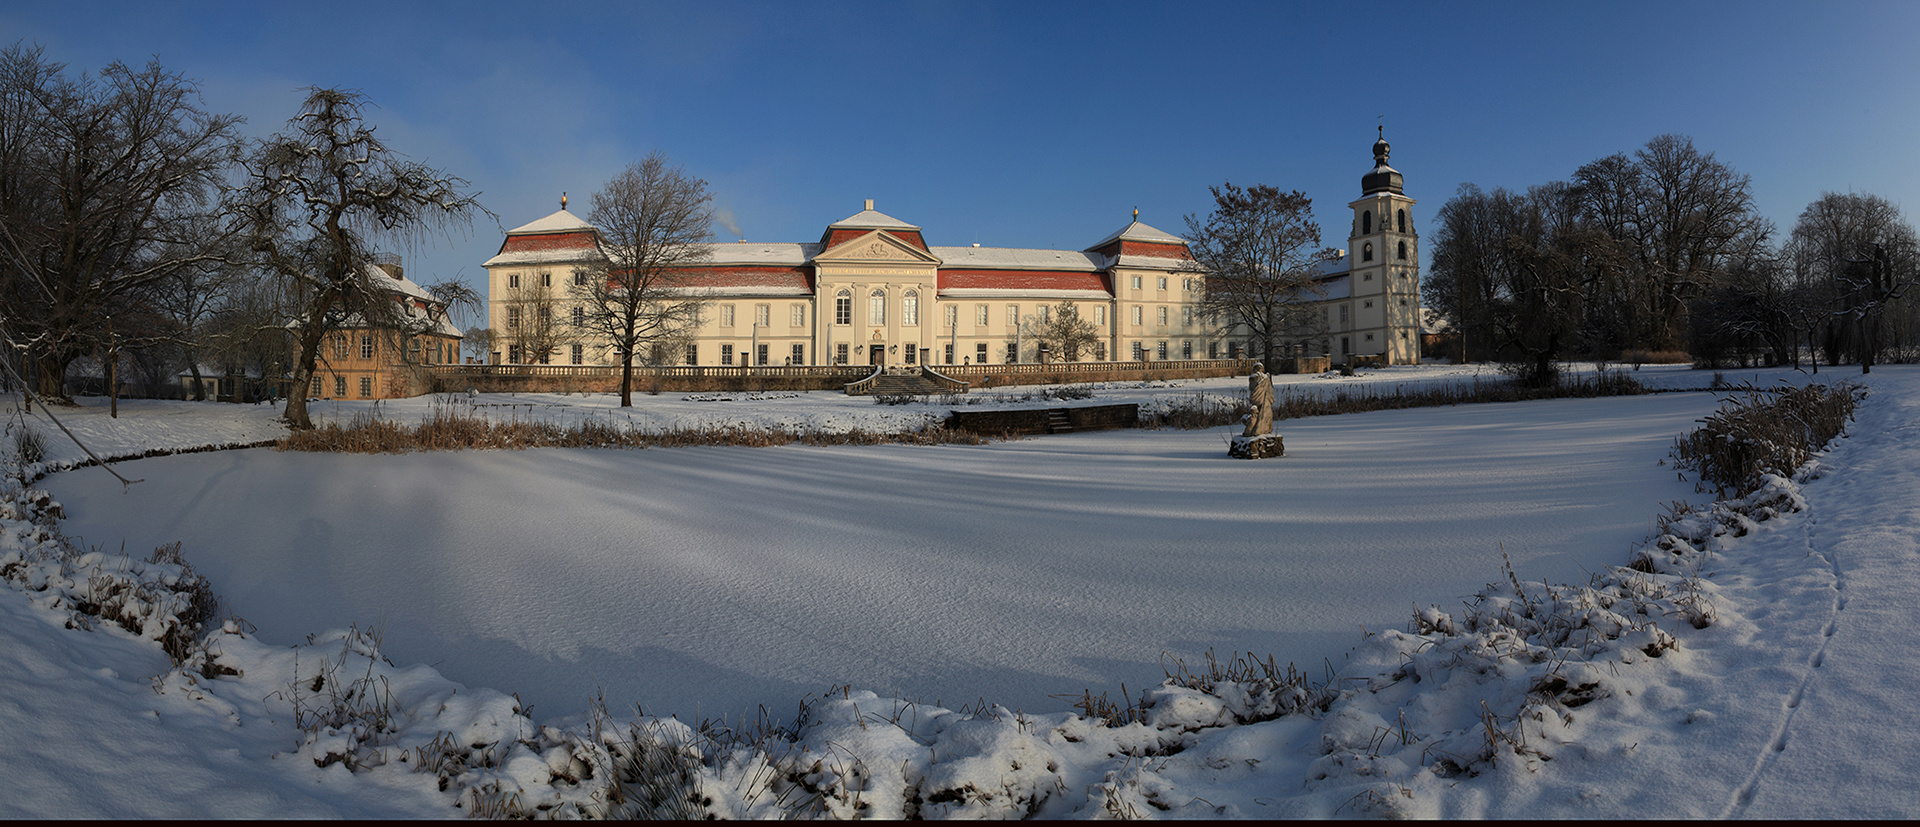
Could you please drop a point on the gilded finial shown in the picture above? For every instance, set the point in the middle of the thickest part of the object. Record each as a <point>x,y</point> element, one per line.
<point>563,200</point>
<point>1136,214</point>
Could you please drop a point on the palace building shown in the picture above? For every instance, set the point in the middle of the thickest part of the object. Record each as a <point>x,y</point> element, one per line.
<point>872,291</point>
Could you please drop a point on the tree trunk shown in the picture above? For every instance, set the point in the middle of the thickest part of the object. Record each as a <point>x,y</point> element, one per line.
<point>52,385</point>
<point>303,369</point>
<point>626,379</point>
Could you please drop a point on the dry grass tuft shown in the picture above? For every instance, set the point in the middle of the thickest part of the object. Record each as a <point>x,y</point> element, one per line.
<point>1764,431</point>
<point>452,430</point>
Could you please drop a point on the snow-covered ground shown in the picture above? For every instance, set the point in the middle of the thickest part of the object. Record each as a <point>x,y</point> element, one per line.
<point>705,582</point>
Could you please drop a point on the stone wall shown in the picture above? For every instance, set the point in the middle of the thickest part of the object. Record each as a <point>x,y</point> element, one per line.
<point>1040,420</point>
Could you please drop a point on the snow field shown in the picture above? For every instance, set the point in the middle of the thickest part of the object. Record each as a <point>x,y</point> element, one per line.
<point>1607,740</point>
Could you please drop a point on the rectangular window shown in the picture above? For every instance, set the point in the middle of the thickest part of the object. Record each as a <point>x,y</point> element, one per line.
<point>1213,350</point>
<point>1186,350</point>
<point>910,308</point>
<point>693,353</point>
<point>1186,316</point>
<point>339,386</point>
<point>1046,314</point>
<point>366,386</point>
<point>580,278</point>
<point>1013,352</point>
<point>1163,282</point>
<point>513,281</point>
<point>951,315</point>
<point>726,354</point>
<point>1137,313</point>
<point>762,316</point>
<point>1136,282</point>
<point>1013,315</point>
<point>1162,314</point>
<point>797,316</point>
<point>911,353</point>
<point>366,347</point>
<point>579,317</point>
<point>1139,352</point>
<point>513,356</point>
<point>949,351</point>
<point>1100,351</point>
<point>877,308</point>
<point>843,310</point>
<point>980,315</point>
<point>840,354</point>
<point>1233,350</point>
<point>1160,351</point>
<point>513,318</point>
<point>340,346</point>
<point>546,279</point>
<point>579,354</point>
<point>980,353</point>
<point>726,315</point>
<point>1343,313</point>
<point>799,356</point>
<point>760,355</point>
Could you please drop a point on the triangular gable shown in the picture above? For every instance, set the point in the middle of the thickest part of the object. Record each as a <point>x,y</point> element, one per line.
<point>878,245</point>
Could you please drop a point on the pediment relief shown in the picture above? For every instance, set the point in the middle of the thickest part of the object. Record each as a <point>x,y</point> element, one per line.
<point>877,246</point>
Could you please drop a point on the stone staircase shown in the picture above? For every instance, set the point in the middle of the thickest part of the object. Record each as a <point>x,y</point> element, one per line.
<point>1058,422</point>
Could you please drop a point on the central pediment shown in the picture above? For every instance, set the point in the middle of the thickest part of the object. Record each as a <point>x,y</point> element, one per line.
<point>877,247</point>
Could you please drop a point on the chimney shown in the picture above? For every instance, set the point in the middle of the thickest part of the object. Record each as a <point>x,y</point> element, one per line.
<point>869,203</point>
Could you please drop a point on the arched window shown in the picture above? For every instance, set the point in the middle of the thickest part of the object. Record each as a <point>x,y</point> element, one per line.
<point>877,307</point>
<point>1402,215</point>
<point>910,308</point>
<point>843,307</point>
<point>1366,252</point>
<point>1366,222</point>
<point>1403,251</point>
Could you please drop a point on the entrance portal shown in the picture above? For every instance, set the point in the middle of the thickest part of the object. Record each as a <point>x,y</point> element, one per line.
<point>876,355</point>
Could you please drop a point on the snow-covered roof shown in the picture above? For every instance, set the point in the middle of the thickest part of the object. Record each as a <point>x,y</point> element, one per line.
<point>1152,262</point>
<point>1335,266</point>
<point>870,219</point>
<point>559,222</point>
<point>1016,258</point>
<point>1016,292</point>
<point>1140,232</point>
<point>762,252</point>
<point>1337,288</point>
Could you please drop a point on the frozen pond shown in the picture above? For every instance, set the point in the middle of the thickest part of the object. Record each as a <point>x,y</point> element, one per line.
<point>706,582</point>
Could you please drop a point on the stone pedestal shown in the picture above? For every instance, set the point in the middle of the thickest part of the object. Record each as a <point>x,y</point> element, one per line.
<point>1256,447</point>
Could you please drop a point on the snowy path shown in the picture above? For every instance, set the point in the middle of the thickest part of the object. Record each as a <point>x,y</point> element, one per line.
<point>1848,725</point>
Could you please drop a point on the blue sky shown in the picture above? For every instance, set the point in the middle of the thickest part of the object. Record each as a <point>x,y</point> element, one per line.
<point>1044,124</point>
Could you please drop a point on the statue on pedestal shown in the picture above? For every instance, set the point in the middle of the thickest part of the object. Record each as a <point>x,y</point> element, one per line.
<point>1258,441</point>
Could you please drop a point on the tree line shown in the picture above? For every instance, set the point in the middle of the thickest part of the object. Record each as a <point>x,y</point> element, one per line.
<point>1663,251</point>
<point>140,231</point>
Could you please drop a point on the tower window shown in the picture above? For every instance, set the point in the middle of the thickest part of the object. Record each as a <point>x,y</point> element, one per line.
<point>1403,251</point>
<point>1366,252</point>
<point>1401,215</point>
<point>1366,222</point>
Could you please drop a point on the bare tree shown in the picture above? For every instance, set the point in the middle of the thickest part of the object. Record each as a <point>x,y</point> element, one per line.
<point>654,221</point>
<point>1675,220</point>
<point>1259,252</point>
<point>317,199</point>
<point>1063,332</point>
<point>539,324</point>
<point>105,189</point>
<point>480,341</point>
<point>1861,256</point>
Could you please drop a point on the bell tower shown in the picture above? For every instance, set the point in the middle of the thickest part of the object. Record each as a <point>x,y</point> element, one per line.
<point>1384,270</point>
